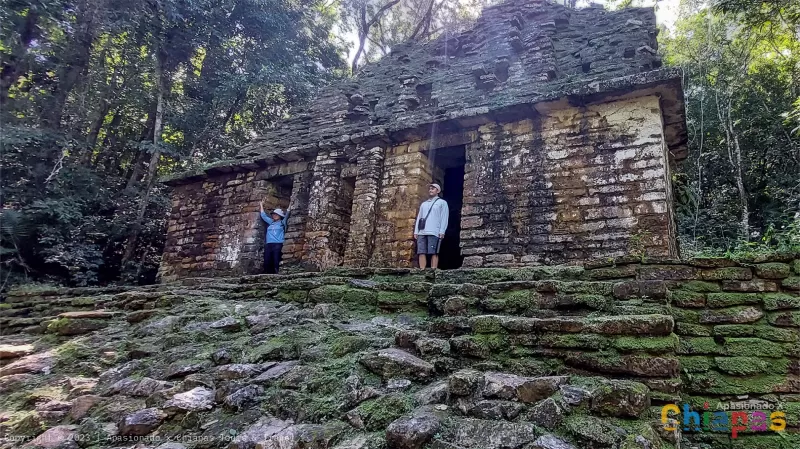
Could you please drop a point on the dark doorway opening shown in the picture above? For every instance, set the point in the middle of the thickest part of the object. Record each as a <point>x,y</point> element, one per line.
<point>343,210</point>
<point>276,194</point>
<point>448,168</point>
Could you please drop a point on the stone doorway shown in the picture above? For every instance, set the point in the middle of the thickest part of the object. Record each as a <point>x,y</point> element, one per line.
<point>448,170</point>
<point>342,216</point>
<point>276,193</point>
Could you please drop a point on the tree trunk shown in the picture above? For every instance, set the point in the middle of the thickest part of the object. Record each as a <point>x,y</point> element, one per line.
<point>73,67</point>
<point>363,31</point>
<point>109,146</point>
<point>735,159</point>
<point>148,133</point>
<point>14,67</point>
<point>91,139</point>
<point>152,169</point>
<point>364,27</point>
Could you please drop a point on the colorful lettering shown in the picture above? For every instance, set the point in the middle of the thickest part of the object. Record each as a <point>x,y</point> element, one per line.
<point>778,421</point>
<point>759,422</point>
<point>719,422</point>
<point>665,419</point>
<point>738,423</point>
<point>689,417</point>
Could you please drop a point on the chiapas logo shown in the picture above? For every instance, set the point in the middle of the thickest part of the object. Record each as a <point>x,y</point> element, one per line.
<point>732,418</point>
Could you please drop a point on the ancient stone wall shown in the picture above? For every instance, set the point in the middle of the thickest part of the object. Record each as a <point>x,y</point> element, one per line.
<point>590,353</point>
<point>563,185</point>
<point>405,177</point>
<point>704,328</point>
<point>211,227</point>
<point>214,227</point>
<point>575,184</point>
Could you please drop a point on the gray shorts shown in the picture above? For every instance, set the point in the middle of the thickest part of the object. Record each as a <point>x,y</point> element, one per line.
<point>428,244</point>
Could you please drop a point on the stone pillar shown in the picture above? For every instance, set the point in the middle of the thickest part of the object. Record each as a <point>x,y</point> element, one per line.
<point>406,174</point>
<point>296,226</point>
<point>361,237</point>
<point>325,185</point>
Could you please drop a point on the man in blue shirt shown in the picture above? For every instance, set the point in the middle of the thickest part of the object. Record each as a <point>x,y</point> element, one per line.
<point>430,226</point>
<point>276,229</point>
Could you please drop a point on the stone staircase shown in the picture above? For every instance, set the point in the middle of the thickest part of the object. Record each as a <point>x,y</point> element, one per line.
<point>535,358</point>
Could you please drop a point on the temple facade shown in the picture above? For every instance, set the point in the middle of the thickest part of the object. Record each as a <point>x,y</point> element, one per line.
<point>553,132</point>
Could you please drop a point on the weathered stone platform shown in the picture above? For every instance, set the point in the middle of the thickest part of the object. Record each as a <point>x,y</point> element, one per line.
<point>543,357</point>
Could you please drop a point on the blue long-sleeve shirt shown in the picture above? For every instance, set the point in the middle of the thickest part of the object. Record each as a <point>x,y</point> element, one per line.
<point>276,229</point>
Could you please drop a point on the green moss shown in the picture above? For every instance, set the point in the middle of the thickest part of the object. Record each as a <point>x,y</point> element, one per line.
<point>647,344</point>
<point>696,364</point>
<point>25,424</point>
<point>732,299</point>
<point>595,288</point>
<point>712,382</point>
<point>728,273</point>
<point>685,316</point>
<point>796,266</point>
<point>276,348</point>
<point>300,296</point>
<point>792,410</point>
<point>57,325</point>
<point>746,347</point>
<point>788,319</point>
<point>78,326</point>
<point>5,306</point>
<point>475,276</point>
<point>323,395</point>
<point>486,324</point>
<point>791,283</point>
<point>773,270</point>
<point>492,342</point>
<point>777,301</point>
<point>409,278</point>
<point>731,346</point>
<point>379,413</point>
<point>636,432</point>
<point>83,301</point>
<point>400,300</point>
<point>776,334</point>
<point>734,330</point>
<point>592,429</point>
<point>611,272</point>
<point>748,366</point>
<point>343,294</point>
<point>347,344</point>
<point>518,301</point>
<point>596,302</point>
<point>699,345</point>
<point>771,440</point>
<point>542,273</point>
<point>576,341</point>
<point>687,299</point>
<point>493,304</point>
<point>695,330</point>
<point>699,286</point>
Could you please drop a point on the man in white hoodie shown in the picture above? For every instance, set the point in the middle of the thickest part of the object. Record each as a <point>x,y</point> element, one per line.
<point>430,226</point>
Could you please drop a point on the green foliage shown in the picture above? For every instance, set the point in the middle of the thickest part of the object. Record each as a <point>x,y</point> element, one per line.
<point>737,192</point>
<point>79,89</point>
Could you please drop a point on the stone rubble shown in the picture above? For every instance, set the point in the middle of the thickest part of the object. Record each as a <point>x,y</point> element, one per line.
<point>578,378</point>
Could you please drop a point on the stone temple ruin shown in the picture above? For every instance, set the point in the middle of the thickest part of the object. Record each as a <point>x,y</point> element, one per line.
<point>552,131</point>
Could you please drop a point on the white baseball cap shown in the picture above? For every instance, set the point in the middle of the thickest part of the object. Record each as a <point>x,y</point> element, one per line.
<point>437,186</point>
<point>279,211</point>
